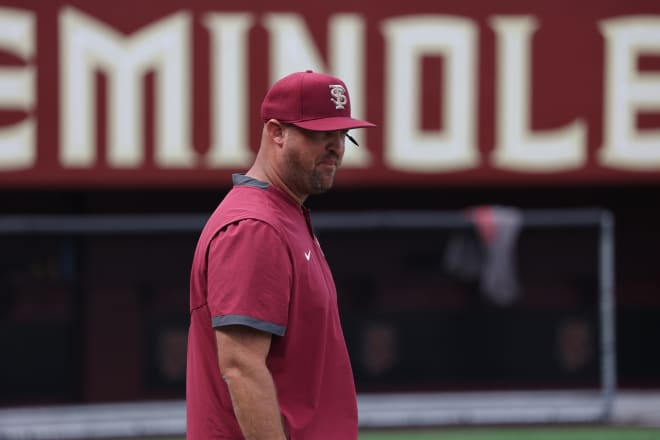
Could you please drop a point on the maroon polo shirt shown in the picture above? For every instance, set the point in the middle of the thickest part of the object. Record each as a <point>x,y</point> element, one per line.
<point>259,264</point>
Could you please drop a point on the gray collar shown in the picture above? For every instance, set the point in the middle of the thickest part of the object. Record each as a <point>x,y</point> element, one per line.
<point>242,179</point>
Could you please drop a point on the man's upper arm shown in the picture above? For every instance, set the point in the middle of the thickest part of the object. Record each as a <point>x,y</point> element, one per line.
<point>249,278</point>
<point>240,347</point>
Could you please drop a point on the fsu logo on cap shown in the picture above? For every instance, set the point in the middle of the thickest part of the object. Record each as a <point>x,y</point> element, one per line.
<point>338,95</point>
<point>301,99</point>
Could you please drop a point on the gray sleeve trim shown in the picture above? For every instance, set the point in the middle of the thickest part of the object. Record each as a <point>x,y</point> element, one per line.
<point>221,321</point>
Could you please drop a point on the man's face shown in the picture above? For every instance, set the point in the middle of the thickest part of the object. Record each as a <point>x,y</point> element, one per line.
<point>311,159</point>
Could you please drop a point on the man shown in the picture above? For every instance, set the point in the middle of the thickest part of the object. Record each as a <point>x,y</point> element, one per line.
<point>266,354</point>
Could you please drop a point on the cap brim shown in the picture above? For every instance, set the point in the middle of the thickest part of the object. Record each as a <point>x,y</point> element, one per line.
<point>331,124</point>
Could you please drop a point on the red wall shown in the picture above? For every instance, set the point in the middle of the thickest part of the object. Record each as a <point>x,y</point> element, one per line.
<point>463,93</point>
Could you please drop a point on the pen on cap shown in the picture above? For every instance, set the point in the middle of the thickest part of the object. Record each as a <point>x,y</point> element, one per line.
<point>352,139</point>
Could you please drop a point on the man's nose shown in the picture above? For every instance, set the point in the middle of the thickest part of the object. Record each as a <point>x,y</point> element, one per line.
<point>337,140</point>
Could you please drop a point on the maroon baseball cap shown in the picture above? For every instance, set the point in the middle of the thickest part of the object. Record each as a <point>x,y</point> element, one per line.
<point>311,100</point>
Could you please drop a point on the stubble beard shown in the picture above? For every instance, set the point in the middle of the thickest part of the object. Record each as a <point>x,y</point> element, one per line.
<point>307,183</point>
<point>319,182</point>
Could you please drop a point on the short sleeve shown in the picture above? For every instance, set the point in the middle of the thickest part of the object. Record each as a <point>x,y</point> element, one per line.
<point>249,277</point>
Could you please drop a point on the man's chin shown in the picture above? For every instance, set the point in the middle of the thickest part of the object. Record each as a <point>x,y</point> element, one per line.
<point>321,189</point>
<point>322,186</point>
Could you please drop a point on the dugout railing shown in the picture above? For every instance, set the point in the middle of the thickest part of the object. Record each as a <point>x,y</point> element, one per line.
<point>398,409</point>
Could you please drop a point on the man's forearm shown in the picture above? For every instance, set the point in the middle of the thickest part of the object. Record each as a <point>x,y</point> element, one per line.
<point>254,399</point>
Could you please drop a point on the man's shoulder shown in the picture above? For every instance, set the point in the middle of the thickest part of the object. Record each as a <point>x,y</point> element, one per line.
<point>242,203</point>
<point>248,201</point>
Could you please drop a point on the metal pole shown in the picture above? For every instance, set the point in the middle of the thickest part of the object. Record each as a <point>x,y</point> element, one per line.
<point>607,314</point>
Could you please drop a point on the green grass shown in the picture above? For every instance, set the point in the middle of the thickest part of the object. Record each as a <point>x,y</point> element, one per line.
<point>533,433</point>
<point>545,433</point>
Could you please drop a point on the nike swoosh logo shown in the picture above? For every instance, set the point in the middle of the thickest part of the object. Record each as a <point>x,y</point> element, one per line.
<point>308,255</point>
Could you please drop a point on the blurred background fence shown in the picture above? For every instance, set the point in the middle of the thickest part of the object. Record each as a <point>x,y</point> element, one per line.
<point>95,311</point>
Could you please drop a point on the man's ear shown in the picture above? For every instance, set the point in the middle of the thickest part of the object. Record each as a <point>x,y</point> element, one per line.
<point>275,131</point>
